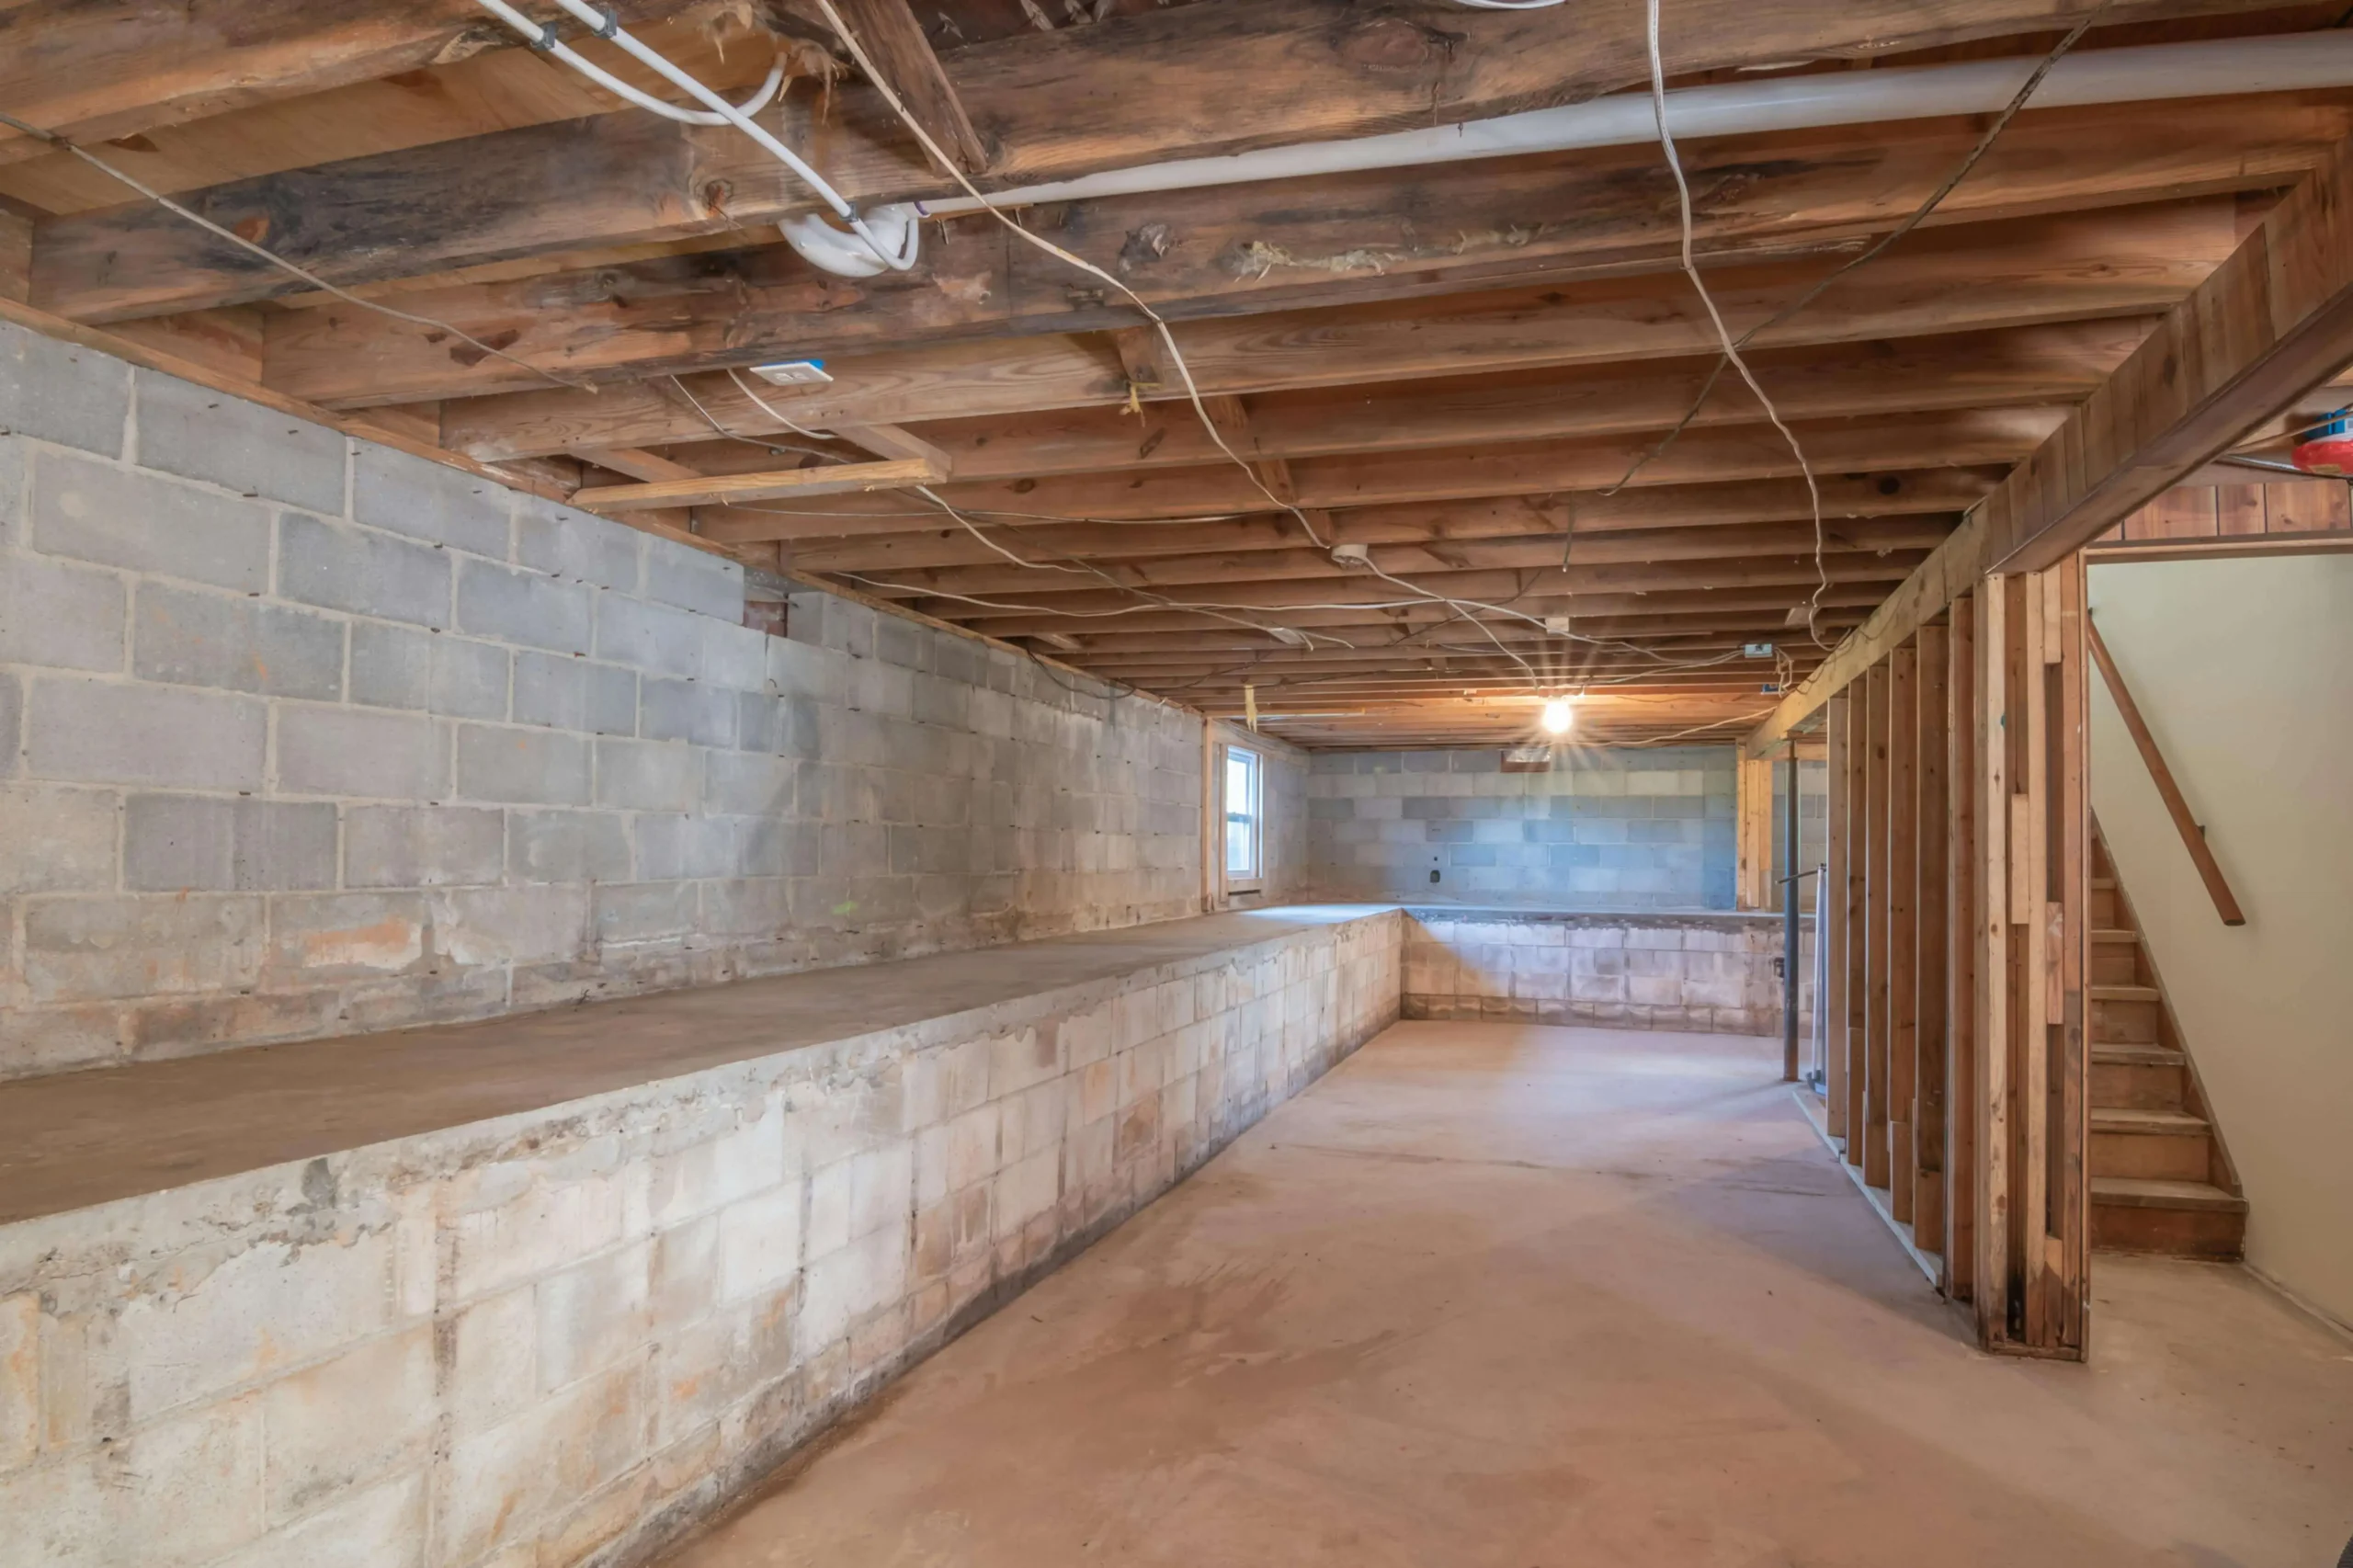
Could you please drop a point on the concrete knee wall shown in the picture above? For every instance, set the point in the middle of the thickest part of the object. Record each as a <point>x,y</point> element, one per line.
<point>302,735</point>
<point>564,1336</point>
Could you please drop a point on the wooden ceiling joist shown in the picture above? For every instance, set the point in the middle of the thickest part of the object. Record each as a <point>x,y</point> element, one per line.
<point>2274,321</point>
<point>1456,367</point>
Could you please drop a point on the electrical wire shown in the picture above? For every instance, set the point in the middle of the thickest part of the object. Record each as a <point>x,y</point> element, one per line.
<point>765,445</point>
<point>1168,339</point>
<point>1879,247</point>
<point>52,139</point>
<point>1723,334</point>
<point>603,23</point>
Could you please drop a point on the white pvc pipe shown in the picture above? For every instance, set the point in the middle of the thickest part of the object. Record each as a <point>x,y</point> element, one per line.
<point>897,258</point>
<point>2143,73</point>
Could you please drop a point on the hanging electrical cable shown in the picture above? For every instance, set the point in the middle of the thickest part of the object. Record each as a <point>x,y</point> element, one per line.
<point>1723,334</point>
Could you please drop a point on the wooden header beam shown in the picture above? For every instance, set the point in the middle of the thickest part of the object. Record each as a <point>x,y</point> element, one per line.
<point>2274,321</point>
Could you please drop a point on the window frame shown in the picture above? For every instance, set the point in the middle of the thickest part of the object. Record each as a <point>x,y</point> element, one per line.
<point>1255,879</point>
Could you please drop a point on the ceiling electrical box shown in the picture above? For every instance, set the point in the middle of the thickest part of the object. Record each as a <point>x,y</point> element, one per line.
<point>794,374</point>
<point>1758,650</point>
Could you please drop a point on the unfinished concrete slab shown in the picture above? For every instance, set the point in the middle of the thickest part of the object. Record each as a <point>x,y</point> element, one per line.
<point>1530,1296</point>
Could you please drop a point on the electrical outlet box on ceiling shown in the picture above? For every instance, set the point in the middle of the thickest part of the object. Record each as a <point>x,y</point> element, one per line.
<point>1351,556</point>
<point>1556,626</point>
<point>1756,650</point>
<point>794,374</point>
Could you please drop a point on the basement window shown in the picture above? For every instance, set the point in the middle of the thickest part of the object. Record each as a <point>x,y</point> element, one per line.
<point>1245,828</point>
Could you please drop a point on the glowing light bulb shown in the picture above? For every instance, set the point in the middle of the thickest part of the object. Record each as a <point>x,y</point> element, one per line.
<point>1560,716</point>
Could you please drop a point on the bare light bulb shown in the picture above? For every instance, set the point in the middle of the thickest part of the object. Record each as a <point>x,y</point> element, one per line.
<point>1560,716</point>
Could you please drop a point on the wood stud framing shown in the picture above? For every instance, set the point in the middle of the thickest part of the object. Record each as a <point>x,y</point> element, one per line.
<point>1960,821</point>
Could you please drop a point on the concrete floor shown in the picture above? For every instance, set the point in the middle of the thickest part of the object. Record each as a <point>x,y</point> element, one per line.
<point>1530,1298</point>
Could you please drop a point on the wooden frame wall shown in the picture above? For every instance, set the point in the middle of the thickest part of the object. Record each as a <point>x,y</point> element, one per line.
<point>1958,839</point>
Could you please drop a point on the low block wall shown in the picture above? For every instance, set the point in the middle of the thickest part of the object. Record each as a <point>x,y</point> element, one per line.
<point>1711,973</point>
<point>564,1336</point>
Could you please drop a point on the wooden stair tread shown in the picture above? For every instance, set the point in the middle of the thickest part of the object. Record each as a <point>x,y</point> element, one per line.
<point>2124,992</point>
<point>2121,1118</point>
<point>2103,884</point>
<point>2117,1054</point>
<point>2117,933</point>
<point>2139,1192</point>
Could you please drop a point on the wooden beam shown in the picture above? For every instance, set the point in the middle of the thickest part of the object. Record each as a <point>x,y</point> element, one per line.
<point>2274,321</point>
<point>637,464</point>
<point>892,37</point>
<point>2128,261</point>
<point>1225,251</point>
<point>97,70</point>
<point>2185,821</point>
<point>1752,804</point>
<point>1958,440</point>
<point>1112,96</point>
<point>701,490</point>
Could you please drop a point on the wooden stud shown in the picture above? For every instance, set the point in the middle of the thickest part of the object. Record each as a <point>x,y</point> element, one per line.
<point>887,30</point>
<point>1753,807</point>
<point>705,490</point>
<point>1831,929</point>
<point>1857,980</point>
<point>1879,888</point>
<point>1964,952</point>
<point>1902,927</point>
<point>1932,936</point>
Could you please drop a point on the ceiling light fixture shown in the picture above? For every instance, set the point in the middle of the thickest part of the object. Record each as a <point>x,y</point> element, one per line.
<point>1560,716</point>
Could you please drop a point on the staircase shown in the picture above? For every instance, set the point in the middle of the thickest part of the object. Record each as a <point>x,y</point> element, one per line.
<point>2160,1181</point>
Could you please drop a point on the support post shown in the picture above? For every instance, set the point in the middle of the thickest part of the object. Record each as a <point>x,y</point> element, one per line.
<point>1831,922</point>
<point>1877,887</point>
<point>1903,927</point>
<point>1961,953</point>
<point>1789,960</point>
<point>1929,1009</point>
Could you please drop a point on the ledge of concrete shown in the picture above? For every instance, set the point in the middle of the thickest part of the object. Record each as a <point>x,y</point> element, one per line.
<point>82,1139</point>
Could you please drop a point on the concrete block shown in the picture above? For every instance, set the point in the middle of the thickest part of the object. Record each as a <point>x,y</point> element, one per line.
<point>63,616</point>
<point>493,1359</point>
<point>384,1527</point>
<point>718,1171</point>
<point>567,846</point>
<point>200,434</point>
<point>510,926</point>
<point>58,839</point>
<point>516,1222</point>
<point>328,937</point>
<point>189,636</point>
<point>337,566</point>
<point>759,1243</point>
<point>749,784</point>
<point>360,752</point>
<point>648,775</point>
<point>525,607</point>
<point>273,1305</point>
<point>203,1473</point>
<point>655,639</point>
<point>213,844</point>
<point>20,1408</point>
<point>563,543</point>
<point>526,766</point>
<point>12,727</point>
<point>686,711</point>
<point>671,846</point>
<point>348,1422</point>
<point>569,693</point>
<point>429,501</point>
<point>144,522</point>
<point>594,1315</point>
<point>694,579</point>
<point>507,1481</point>
<point>61,391</point>
<point>400,667</point>
<point>642,912</point>
<point>422,846</point>
<point>118,733</point>
<point>734,657</point>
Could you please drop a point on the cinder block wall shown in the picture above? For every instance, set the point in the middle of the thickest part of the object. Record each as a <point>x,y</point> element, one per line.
<point>300,736</point>
<point>1606,829</point>
<point>566,1335</point>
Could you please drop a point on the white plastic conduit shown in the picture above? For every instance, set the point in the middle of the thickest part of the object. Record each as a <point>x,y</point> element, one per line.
<point>897,254</point>
<point>2140,74</point>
